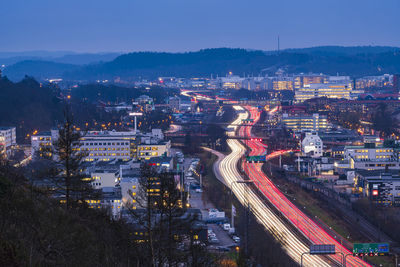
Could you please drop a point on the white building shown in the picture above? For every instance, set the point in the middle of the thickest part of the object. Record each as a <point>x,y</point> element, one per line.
<point>312,145</point>
<point>104,178</point>
<point>7,139</point>
<point>9,134</point>
<point>109,145</point>
<point>370,153</point>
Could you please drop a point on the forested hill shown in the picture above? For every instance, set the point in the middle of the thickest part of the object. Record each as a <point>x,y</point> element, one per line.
<point>27,105</point>
<point>353,61</point>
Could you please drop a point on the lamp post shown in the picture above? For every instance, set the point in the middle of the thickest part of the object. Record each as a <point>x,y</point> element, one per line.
<point>135,114</point>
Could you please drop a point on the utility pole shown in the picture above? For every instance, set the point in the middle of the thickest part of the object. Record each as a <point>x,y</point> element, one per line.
<point>246,222</point>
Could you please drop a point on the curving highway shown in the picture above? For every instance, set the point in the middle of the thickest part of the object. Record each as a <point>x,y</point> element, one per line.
<point>311,230</point>
<point>293,245</point>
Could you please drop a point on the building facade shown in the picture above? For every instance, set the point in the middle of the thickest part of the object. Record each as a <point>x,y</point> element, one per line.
<point>7,139</point>
<point>313,122</point>
<point>312,145</point>
<point>329,90</point>
<point>381,187</point>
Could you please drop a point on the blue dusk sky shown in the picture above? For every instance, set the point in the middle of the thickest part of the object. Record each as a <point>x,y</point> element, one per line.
<point>187,25</point>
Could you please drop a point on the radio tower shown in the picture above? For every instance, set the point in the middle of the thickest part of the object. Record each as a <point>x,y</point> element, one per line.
<point>278,44</point>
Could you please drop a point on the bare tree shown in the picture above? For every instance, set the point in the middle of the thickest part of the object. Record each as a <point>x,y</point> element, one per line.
<point>69,157</point>
<point>164,217</point>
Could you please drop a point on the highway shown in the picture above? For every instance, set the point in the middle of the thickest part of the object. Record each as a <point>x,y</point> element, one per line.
<point>293,245</point>
<point>313,232</point>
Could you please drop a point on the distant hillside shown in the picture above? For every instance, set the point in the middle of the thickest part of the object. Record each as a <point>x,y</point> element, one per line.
<point>343,50</point>
<point>353,61</point>
<point>38,69</point>
<point>82,59</point>
<point>329,60</point>
<point>58,57</point>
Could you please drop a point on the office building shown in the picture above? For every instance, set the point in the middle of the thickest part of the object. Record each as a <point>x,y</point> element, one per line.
<point>302,80</point>
<point>381,187</point>
<point>108,145</point>
<point>329,90</point>
<point>301,123</point>
<point>153,149</point>
<point>283,83</point>
<point>369,151</point>
<point>231,82</point>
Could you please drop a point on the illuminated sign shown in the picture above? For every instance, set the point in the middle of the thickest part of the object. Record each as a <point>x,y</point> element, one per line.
<point>375,192</point>
<point>255,158</point>
<point>370,249</point>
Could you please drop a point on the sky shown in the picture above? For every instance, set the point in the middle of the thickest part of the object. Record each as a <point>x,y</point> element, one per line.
<point>189,25</point>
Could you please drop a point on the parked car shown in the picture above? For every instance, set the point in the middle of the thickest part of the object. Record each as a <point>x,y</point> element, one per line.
<point>213,240</point>
<point>226,226</point>
<point>236,239</point>
<point>212,235</point>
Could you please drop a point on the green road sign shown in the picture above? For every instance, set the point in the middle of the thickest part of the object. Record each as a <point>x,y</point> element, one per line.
<point>376,249</point>
<point>255,159</point>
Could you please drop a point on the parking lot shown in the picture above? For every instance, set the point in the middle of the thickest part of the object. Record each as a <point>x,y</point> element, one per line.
<point>219,239</point>
<point>223,237</point>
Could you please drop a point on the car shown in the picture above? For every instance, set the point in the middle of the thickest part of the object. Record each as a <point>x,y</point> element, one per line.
<point>236,239</point>
<point>199,190</point>
<point>212,235</point>
<point>226,226</point>
<point>213,240</point>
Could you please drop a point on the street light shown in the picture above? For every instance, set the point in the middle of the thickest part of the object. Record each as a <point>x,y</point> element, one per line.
<point>135,114</point>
